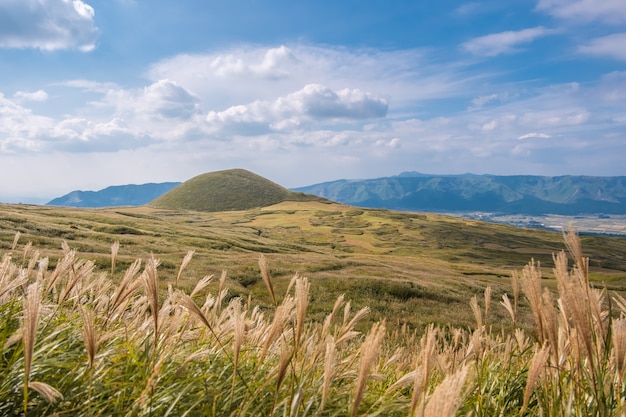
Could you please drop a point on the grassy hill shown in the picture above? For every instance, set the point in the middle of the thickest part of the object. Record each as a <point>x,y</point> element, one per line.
<point>235,189</point>
<point>410,267</point>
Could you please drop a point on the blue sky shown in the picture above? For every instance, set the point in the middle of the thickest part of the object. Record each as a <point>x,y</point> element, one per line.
<point>105,92</point>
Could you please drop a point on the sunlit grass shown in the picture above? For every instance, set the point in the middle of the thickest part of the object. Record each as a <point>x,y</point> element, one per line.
<point>75,340</point>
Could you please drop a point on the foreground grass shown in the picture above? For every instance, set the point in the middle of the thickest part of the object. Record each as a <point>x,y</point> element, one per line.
<point>75,340</point>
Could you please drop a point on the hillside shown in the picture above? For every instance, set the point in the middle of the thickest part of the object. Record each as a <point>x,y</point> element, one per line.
<point>118,195</point>
<point>235,189</point>
<point>523,194</point>
<point>396,306</point>
<point>411,268</point>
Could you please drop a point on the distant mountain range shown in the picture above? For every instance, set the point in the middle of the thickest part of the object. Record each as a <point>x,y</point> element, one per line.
<point>409,191</point>
<point>518,194</point>
<point>117,195</point>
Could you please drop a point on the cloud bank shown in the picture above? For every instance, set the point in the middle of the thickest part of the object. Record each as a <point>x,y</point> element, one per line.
<point>48,25</point>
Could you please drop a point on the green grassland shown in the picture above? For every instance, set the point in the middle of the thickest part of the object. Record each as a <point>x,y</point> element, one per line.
<point>406,267</point>
<point>324,310</point>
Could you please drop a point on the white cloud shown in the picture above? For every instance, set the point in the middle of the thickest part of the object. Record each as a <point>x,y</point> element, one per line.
<point>612,87</point>
<point>613,46</point>
<point>487,127</point>
<point>534,135</point>
<point>608,11</point>
<point>504,42</point>
<point>312,103</point>
<point>20,129</point>
<point>93,86</point>
<point>39,95</point>
<point>47,24</point>
<point>482,100</point>
<point>161,101</point>
<point>246,74</point>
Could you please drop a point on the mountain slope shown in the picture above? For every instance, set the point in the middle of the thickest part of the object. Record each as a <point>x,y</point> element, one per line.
<point>523,194</point>
<point>118,195</point>
<point>234,189</point>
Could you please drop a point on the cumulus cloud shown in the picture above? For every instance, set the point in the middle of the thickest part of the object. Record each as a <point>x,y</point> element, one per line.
<point>39,95</point>
<point>534,135</point>
<point>162,100</point>
<point>312,103</point>
<point>47,25</point>
<point>242,75</point>
<point>612,46</point>
<point>22,131</point>
<point>608,11</point>
<point>504,42</point>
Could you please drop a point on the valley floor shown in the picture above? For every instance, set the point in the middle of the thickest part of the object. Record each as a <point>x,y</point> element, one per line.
<point>601,224</point>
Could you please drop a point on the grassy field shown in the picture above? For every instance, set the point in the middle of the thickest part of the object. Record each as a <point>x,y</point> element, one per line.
<point>323,310</point>
<point>410,268</point>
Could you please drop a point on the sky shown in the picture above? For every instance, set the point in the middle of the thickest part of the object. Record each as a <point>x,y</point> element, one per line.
<point>96,93</point>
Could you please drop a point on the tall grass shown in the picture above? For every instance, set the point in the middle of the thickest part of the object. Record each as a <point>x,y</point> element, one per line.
<point>78,342</point>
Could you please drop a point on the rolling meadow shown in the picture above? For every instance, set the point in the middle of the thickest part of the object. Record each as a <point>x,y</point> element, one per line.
<point>305,308</point>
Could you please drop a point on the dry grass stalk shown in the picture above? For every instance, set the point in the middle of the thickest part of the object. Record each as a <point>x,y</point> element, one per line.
<point>239,328</point>
<point>8,285</point>
<point>27,249</point>
<point>302,302</point>
<point>32,306</point>
<point>267,279</point>
<point>422,374</point>
<point>115,247</point>
<point>62,268</point>
<point>447,397</point>
<point>487,301</point>
<point>184,264</point>
<point>329,318</point>
<point>369,352</point>
<point>81,270</point>
<point>550,323</point>
<point>329,373</point>
<point>530,282</point>
<point>576,303</point>
<point>506,303</point>
<point>49,393</point>
<point>16,238</point>
<point>572,242</point>
<point>151,282</point>
<point>201,285</point>
<point>619,346</point>
<point>346,332</point>
<point>477,313</point>
<point>515,285</point>
<point>221,294</point>
<point>282,315</point>
<point>534,371</point>
<point>286,354</point>
<point>125,288</point>
<point>89,335</point>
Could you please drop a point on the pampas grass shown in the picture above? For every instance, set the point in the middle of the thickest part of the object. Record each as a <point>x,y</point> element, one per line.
<point>76,341</point>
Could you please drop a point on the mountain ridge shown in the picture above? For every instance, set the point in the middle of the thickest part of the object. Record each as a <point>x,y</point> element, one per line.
<point>410,191</point>
<point>115,195</point>
<point>514,194</point>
